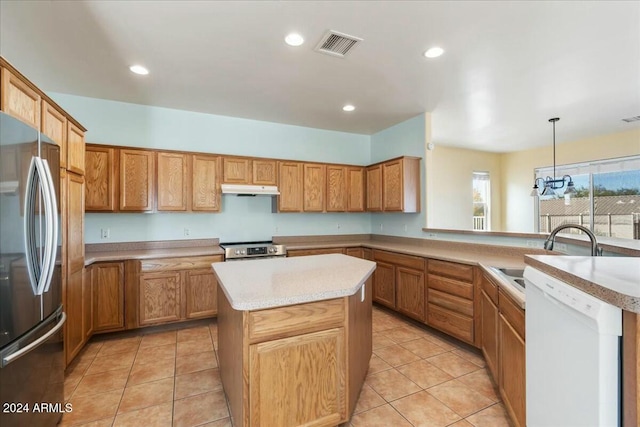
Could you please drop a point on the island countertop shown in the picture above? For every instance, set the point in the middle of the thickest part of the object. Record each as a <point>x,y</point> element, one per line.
<point>275,282</point>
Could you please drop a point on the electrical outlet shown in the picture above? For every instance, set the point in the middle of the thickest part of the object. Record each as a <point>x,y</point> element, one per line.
<point>339,226</point>
<point>104,233</point>
<point>187,232</point>
<point>432,235</point>
<point>562,247</point>
<point>534,244</point>
<point>405,228</point>
<point>381,227</point>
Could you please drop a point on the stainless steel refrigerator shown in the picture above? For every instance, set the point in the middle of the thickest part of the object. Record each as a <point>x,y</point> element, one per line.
<point>31,312</point>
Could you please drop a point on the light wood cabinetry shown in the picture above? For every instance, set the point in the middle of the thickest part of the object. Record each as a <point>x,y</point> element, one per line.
<point>107,288</point>
<point>175,289</point>
<point>290,179</point>
<point>250,171</point>
<point>19,98</point>
<point>354,252</point>
<point>374,188</point>
<point>489,325</point>
<point>336,188</point>
<point>355,189</point>
<point>450,296</point>
<point>314,187</point>
<point>75,148</point>
<point>136,180</point>
<point>322,251</point>
<point>101,179</point>
<point>265,172</point>
<point>384,284</point>
<point>173,181</point>
<point>205,184</point>
<point>54,125</point>
<point>394,185</point>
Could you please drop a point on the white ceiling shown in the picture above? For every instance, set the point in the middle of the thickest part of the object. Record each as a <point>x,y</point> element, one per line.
<point>508,66</point>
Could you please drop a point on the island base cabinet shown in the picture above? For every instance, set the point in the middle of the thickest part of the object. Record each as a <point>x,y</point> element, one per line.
<point>298,381</point>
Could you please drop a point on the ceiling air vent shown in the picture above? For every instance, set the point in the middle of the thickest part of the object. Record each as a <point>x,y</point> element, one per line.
<point>337,44</point>
<point>632,119</point>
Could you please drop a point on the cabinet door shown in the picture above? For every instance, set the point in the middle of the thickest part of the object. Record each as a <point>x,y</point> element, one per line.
<point>200,293</point>
<point>159,296</point>
<point>87,305</point>
<point>284,372</point>
<point>18,99</point>
<point>74,223</point>
<point>489,325</point>
<point>136,180</point>
<point>374,188</point>
<point>512,372</point>
<point>75,149</point>
<point>314,187</point>
<point>392,186</point>
<point>205,187</point>
<point>265,172</point>
<point>173,187</point>
<point>384,284</point>
<point>410,290</point>
<point>355,189</point>
<point>290,186</point>
<point>101,179</point>
<point>236,170</point>
<point>107,282</point>
<point>355,252</point>
<point>54,125</point>
<point>336,188</point>
<point>74,337</point>
<point>306,252</point>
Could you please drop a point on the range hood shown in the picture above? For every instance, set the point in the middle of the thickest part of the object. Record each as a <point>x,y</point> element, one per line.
<point>250,190</point>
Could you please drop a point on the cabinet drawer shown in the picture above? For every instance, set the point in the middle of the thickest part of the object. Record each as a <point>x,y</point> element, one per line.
<point>305,252</point>
<point>511,312</point>
<point>461,289</point>
<point>457,325</point>
<point>185,263</point>
<point>295,319</point>
<point>417,263</point>
<point>451,302</point>
<point>462,272</point>
<point>490,288</point>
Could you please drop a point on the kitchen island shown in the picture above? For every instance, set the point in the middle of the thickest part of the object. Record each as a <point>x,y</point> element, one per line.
<point>294,338</point>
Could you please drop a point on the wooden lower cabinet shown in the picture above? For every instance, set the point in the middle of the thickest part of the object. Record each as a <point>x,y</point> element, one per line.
<point>159,297</point>
<point>354,252</point>
<point>107,288</point>
<point>410,292</point>
<point>489,320</point>
<point>74,331</point>
<point>201,298</point>
<point>384,284</point>
<point>306,252</point>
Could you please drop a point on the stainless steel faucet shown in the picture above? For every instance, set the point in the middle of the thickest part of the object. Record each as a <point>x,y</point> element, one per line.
<point>595,248</point>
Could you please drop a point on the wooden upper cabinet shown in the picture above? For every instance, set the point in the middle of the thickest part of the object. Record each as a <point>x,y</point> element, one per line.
<point>265,172</point>
<point>54,125</point>
<point>392,186</point>
<point>336,188</point>
<point>74,214</point>
<point>101,179</point>
<point>314,187</point>
<point>374,188</point>
<point>401,185</point>
<point>205,184</point>
<point>19,99</point>
<point>236,170</point>
<point>290,186</point>
<point>75,148</point>
<point>355,189</point>
<point>136,180</point>
<point>173,181</point>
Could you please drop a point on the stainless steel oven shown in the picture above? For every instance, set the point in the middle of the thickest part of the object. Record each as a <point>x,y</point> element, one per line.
<point>243,251</point>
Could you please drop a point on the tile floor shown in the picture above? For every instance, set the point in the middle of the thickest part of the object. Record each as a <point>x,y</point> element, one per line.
<point>417,377</point>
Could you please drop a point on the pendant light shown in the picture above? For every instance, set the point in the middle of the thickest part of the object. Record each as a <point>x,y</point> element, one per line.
<point>550,184</point>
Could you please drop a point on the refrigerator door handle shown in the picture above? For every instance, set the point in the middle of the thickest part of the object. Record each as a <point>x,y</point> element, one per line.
<point>18,354</point>
<point>30,245</point>
<point>51,233</point>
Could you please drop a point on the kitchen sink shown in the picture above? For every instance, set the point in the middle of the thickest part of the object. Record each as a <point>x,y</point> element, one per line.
<point>513,272</point>
<point>513,276</point>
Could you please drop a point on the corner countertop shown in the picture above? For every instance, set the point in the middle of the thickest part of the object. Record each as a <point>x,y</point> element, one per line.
<point>615,280</point>
<point>105,256</point>
<point>275,282</point>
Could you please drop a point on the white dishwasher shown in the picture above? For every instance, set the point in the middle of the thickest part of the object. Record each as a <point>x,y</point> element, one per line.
<point>573,356</point>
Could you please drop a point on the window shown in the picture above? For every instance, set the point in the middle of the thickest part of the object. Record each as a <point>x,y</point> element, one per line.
<point>607,199</point>
<point>481,201</point>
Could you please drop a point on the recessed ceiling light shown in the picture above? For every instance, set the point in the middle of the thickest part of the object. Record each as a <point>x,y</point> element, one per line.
<point>434,52</point>
<point>139,69</point>
<point>348,107</point>
<point>294,39</point>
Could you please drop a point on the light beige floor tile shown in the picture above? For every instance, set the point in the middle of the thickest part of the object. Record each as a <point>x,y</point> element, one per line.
<point>472,356</point>
<point>380,340</point>
<point>493,416</point>
<point>102,382</point>
<point>391,384</point>
<point>225,422</point>
<point>153,354</point>
<point>453,364</point>
<point>194,334</point>
<point>461,423</point>
<point>377,365</point>
<point>147,372</point>
<point>195,362</point>
<point>152,416</point>
<point>123,345</point>
<point>424,373</point>
<point>111,362</point>
<point>382,416</point>
<point>89,408</point>
<point>147,394</point>
<point>395,355</point>
<point>200,409</point>
<point>481,382</point>
<point>403,334</point>
<point>193,347</point>
<point>70,384</point>
<point>446,343</point>
<point>197,383</point>
<point>423,348</point>
<point>105,422</point>
<point>368,399</point>
<point>158,339</point>
<point>424,410</point>
<point>92,348</point>
<point>457,396</point>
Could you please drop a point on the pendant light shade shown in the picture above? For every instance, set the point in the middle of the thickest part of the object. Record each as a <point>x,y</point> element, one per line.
<point>551,184</point>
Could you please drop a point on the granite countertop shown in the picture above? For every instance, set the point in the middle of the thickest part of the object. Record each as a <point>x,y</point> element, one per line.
<point>615,280</point>
<point>275,282</point>
<point>104,252</point>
